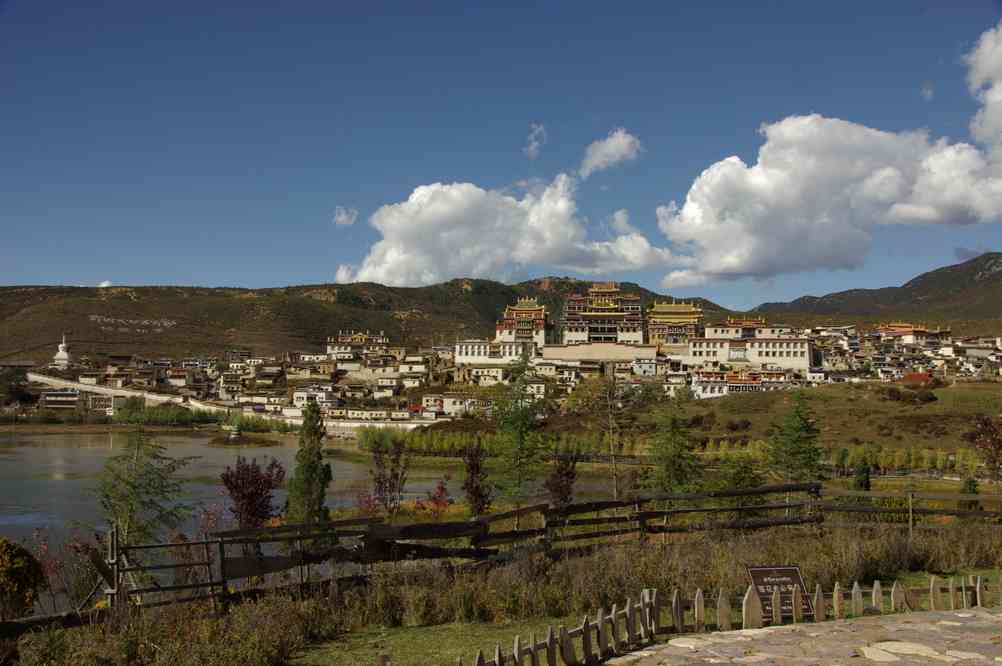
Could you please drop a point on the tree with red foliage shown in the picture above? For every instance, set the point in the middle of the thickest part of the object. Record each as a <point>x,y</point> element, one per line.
<point>251,489</point>
<point>987,440</point>
<point>436,501</point>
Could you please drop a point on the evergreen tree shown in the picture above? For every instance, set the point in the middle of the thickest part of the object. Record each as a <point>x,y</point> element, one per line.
<point>559,484</point>
<point>861,477</point>
<point>311,476</point>
<point>842,461</point>
<point>793,452</point>
<point>521,450</point>
<point>969,487</point>
<point>139,490</point>
<point>478,490</point>
<point>676,466</point>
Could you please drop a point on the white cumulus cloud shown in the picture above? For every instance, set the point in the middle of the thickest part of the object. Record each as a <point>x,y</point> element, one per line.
<point>535,141</point>
<point>820,185</point>
<point>810,200</point>
<point>105,283</point>
<point>619,146</point>
<point>459,229</point>
<point>345,217</point>
<point>620,222</point>
<point>928,91</point>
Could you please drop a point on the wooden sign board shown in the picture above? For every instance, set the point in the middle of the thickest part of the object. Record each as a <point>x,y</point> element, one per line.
<point>767,579</point>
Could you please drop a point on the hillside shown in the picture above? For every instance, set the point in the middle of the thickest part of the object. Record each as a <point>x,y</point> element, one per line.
<point>968,294</point>
<point>191,320</point>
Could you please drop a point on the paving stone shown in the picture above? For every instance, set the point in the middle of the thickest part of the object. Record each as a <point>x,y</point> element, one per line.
<point>876,654</point>
<point>969,637</point>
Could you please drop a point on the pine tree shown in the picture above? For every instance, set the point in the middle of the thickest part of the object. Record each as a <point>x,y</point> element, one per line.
<point>676,465</point>
<point>308,485</point>
<point>522,451</point>
<point>139,489</point>
<point>793,452</point>
<point>861,477</point>
<point>478,490</point>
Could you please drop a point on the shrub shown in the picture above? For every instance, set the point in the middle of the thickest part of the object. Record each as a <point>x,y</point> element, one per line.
<point>21,578</point>
<point>267,632</point>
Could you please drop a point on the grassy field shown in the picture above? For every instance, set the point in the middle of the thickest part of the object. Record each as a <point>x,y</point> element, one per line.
<point>857,414</point>
<point>422,646</point>
<point>445,643</point>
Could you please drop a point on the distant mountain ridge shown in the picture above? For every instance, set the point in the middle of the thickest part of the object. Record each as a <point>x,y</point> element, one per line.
<point>971,290</point>
<point>180,321</point>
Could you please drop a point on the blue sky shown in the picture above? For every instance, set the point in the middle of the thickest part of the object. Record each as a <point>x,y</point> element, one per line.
<point>211,143</point>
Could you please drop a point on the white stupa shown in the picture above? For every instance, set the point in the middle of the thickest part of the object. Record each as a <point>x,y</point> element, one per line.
<point>62,358</point>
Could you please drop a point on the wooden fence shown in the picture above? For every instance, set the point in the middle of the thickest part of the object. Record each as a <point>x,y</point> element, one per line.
<point>638,624</point>
<point>211,568</point>
<point>234,555</point>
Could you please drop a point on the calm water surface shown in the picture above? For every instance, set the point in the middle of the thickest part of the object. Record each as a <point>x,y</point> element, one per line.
<point>48,481</point>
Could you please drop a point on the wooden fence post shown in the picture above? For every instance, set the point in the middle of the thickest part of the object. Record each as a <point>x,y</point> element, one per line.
<point>480,661</point>
<point>857,600</point>
<point>112,561</point>
<point>655,612</point>
<point>222,574</point>
<point>533,654</point>
<point>979,594</point>
<point>498,655</point>
<point>898,600</point>
<point>951,591</point>
<point>723,612</point>
<point>641,619</point>
<point>631,623</point>
<point>603,634</point>
<point>820,605</point>
<point>677,611</point>
<point>963,592</point>
<point>838,603</point>
<point>617,643</point>
<point>516,652</point>
<point>567,648</point>
<point>798,605</point>
<point>877,597</point>
<point>699,611</point>
<point>935,594</point>
<point>777,607</point>
<point>551,648</point>
<point>751,609</point>
<point>586,651</point>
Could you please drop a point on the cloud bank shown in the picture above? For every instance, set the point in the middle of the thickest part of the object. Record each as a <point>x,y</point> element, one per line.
<point>459,229</point>
<point>820,185</point>
<point>811,200</point>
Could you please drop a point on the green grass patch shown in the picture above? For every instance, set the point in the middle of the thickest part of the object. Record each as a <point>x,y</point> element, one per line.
<point>425,646</point>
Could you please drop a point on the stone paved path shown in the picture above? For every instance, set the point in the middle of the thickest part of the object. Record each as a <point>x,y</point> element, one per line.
<point>971,636</point>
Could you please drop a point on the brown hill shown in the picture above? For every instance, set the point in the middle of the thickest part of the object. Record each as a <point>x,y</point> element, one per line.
<point>179,321</point>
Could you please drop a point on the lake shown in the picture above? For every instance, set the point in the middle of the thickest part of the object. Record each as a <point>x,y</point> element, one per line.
<point>47,481</point>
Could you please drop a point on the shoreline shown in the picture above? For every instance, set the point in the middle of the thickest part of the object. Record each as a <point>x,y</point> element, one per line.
<point>94,428</point>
